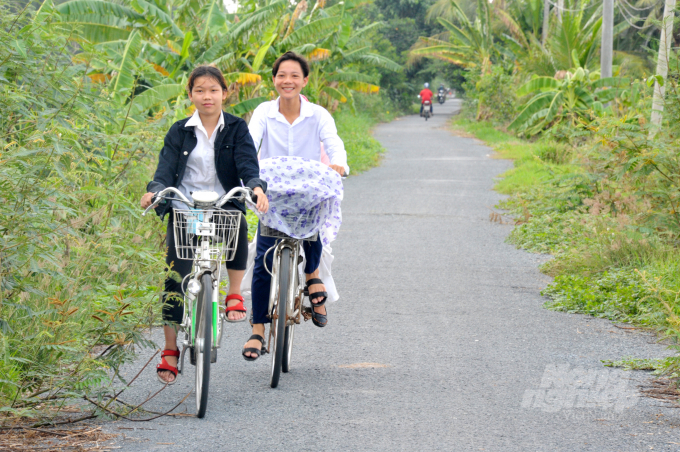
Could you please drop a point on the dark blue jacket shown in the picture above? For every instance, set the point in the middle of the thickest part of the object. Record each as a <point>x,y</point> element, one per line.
<point>235,159</point>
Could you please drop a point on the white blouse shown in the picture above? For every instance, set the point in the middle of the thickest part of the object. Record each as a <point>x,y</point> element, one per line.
<point>274,136</point>
<point>200,173</point>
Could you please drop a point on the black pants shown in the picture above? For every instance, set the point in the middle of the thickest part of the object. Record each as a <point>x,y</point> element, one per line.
<point>173,298</point>
<point>262,280</point>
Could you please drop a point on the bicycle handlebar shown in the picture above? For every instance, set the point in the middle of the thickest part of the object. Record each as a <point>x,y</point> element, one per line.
<point>244,194</point>
<point>238,193</point>
<point>160,196</point>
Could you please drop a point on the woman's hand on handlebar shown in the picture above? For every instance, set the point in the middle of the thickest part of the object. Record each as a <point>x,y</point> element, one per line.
<point>147,200</point>
<point>339,169</point>
<point>262,201</point>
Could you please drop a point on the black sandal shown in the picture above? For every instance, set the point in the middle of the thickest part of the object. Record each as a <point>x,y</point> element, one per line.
<point>319,320</point>
<point>257,351</point>
<point>315,294</point>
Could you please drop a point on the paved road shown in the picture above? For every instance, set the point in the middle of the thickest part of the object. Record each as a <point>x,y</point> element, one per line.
<point>439,342</point>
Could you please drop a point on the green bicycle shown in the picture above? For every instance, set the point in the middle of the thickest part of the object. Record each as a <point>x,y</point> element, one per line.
<point>208,236</point>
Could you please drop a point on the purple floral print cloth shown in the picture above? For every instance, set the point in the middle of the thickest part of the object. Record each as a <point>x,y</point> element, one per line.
<point>304,197</point>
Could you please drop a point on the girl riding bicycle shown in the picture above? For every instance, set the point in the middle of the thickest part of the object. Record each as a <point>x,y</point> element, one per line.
<point>211,150</point>
<point>291,126</point>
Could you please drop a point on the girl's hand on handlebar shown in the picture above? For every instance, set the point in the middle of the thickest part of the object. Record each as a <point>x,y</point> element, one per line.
<point>147,200</point>
<point>262,201</point>
<point>339,169</point>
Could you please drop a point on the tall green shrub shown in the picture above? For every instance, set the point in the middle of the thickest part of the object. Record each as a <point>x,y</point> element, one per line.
<point>80,270</point>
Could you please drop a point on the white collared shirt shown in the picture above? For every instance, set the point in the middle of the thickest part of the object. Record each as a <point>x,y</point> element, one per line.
<point>200,173</point>
<point>274,136</point>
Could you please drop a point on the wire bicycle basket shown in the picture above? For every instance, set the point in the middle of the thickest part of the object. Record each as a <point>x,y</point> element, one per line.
<point>220,226</point>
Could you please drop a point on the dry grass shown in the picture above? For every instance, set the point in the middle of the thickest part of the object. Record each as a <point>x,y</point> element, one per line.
<point>81,439</point>
<point>662,389</point>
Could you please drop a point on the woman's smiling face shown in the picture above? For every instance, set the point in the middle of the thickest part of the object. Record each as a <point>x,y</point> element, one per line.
<point>207,95</point>
<point>290,79</point>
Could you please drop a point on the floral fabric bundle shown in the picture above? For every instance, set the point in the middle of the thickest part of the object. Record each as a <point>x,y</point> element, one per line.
<point>304,197</point>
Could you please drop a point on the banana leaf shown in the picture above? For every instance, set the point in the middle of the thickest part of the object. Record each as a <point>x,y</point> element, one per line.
<point>156,96</point>
<point>124,80</point>
<point>247,106</point>
<point>334,94</point>
<point>538,102</point>
<point>311,32</point>
<point>538,84</point>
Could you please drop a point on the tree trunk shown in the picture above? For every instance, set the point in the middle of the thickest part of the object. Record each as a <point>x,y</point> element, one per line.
<point>662,67</point>
<point>560,8</point>
<point>607,46</point>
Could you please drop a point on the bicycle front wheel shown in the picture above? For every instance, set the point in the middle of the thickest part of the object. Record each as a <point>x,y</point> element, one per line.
<point>279,323</point>
<point>203,344</point>
<point>288,347</point>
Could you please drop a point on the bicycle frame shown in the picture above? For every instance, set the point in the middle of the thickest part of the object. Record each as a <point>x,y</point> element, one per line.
<point>294,287</point>
<point>207,259</point>
<point>202,266</point>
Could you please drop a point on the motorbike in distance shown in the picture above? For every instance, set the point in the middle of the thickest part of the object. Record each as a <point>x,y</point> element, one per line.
<point>441,97</point>
<point>426,109</point>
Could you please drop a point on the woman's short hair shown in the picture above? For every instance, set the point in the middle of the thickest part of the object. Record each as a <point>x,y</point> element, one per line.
<point>291,56</point>
<point>206,71</point>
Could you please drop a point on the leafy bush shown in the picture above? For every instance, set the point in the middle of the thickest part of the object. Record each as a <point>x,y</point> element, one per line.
<point>80,270</point>
<point>491,96</point>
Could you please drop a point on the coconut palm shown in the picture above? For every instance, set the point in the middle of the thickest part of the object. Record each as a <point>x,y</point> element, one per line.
<point>469,44</point>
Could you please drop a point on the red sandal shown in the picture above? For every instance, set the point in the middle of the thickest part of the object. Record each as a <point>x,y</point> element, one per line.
<point>165,366</point>
<point>237,307</point>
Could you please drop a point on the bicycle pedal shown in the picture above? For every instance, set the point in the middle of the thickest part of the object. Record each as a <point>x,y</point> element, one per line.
<point>306,313</point>
<point>213,355</point>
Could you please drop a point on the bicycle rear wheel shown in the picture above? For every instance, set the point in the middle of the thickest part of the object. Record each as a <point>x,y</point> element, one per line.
<point>203,344</point>
<point>279,324</point>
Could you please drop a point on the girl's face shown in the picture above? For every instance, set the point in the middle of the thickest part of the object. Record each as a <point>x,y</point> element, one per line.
<point>290,80</point>
<point>207,95</point>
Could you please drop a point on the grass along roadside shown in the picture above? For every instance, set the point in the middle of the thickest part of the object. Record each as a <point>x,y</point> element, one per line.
<point>604,265</point>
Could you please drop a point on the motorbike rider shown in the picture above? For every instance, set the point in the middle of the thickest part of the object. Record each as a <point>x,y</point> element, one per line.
<point>424,95</point>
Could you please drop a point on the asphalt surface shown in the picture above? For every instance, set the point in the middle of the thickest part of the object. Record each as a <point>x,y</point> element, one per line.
<point>439,341</point>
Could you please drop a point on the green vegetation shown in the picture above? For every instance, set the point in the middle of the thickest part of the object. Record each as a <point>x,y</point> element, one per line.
<point>363,151</point>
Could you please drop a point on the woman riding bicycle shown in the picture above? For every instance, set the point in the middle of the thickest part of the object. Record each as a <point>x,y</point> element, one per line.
<point>291,126</point>
<point>211,150</point>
